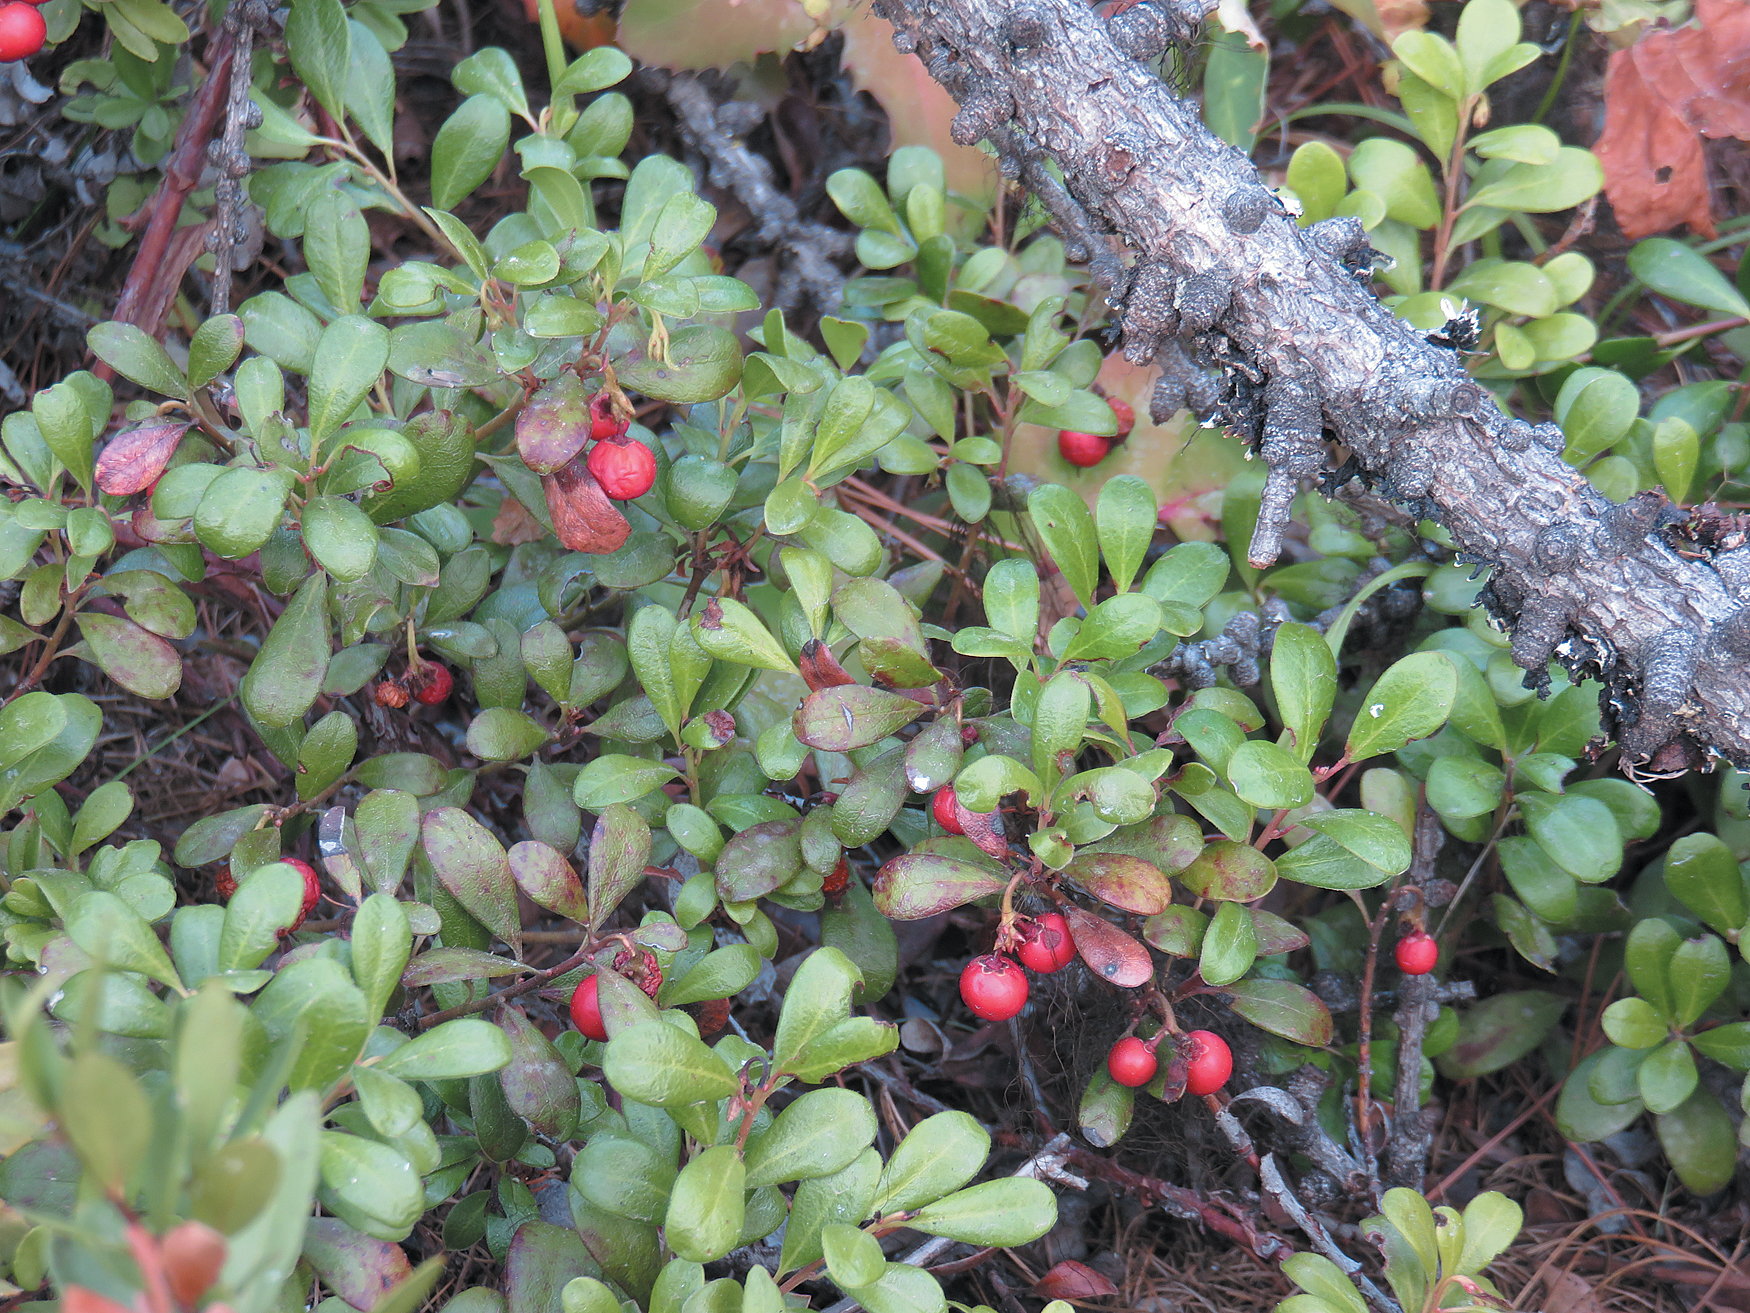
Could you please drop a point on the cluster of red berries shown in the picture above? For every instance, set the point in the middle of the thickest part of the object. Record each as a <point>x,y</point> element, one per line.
<point>22,30</point>
<point>995,988</point>
<point>1208,1061</point>
<point>227,885</point>
<point>1417,953</point>
<point>624,467</point>
<point>428,683</point>
<point>1085,449</point>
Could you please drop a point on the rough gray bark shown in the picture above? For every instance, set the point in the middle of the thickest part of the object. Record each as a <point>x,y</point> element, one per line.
<point>1217,270</point>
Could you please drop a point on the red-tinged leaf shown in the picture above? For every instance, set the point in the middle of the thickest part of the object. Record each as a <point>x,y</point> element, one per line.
<point>1122,881</point>
<point>1110,954</point>
<point>149,528</point>
<point>442,965</point>
<point>1073,1280</point>
<point>135,658</point>
<point>820,668</point>
<point>1229,870</point>
<point>583,517</point>
<point>470,864</point>
<point>355,1266</point>
<point>895,663</point>
<point>134,459</point>
<point>619,849</point>
<point>984,829</point>
<point>758,860</point>
<point>1283,1008</point>
<point>537,1084</point>
<point>1276,935</point>
<point>555,425</point>
<point>543,1259</point>
<point>1168,843</point>
<point>546,877</point>
<point>916,885</point>
<point>850,716</point>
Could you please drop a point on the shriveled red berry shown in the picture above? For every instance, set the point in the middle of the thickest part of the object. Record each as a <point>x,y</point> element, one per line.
<point>390,693</point>
<point>1211,1062</point>
<point>226,882</point>
<point>603,423</point>
<point>1083,449</point>
<point>1417,952</point>
<point>1126,417</point>
<point>645,973</point>
<point>944,807</point>
<point>1130,1063</point>
<point>22,31</point>
<point>586,1009</point>
<point>993,987</point>
<point>430,682</point>
<point>1047,945</point>
<point>624,469</point>
<point>312,891</point>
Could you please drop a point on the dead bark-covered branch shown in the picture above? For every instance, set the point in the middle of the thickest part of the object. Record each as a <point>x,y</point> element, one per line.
<point>1220,275</point>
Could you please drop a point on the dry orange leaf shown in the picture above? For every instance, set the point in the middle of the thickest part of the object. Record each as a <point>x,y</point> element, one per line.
<point>1662,95</point>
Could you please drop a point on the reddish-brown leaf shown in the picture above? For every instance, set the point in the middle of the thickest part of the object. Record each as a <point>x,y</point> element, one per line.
<point>1073,1280</point>
<point>1122,881</point>
<point>915,885</point>
<point>984,829</point>
<point>1110,954</point>
<point>583,517</point>
<point>820,668</point>
<point>1661,96</point>
<point>553,428</point>
<point>134,459</point>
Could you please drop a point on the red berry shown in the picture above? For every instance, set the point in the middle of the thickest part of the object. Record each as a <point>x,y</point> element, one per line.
<point>603,423</point>
<point>1130,1062</point>
<point>944,807</point>
<point>1417,953</point>
<point>226,882</point>
<point>993,987</point>
<point>1126,417</point>
<point>312,891</point>
<point>586,1009</point>
<point>22,31</point>
<point>1083,449</point>
<point>431,683</point>
<point>1211,1062</point>
<point>625,470</point>
<point>1047,945</point>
